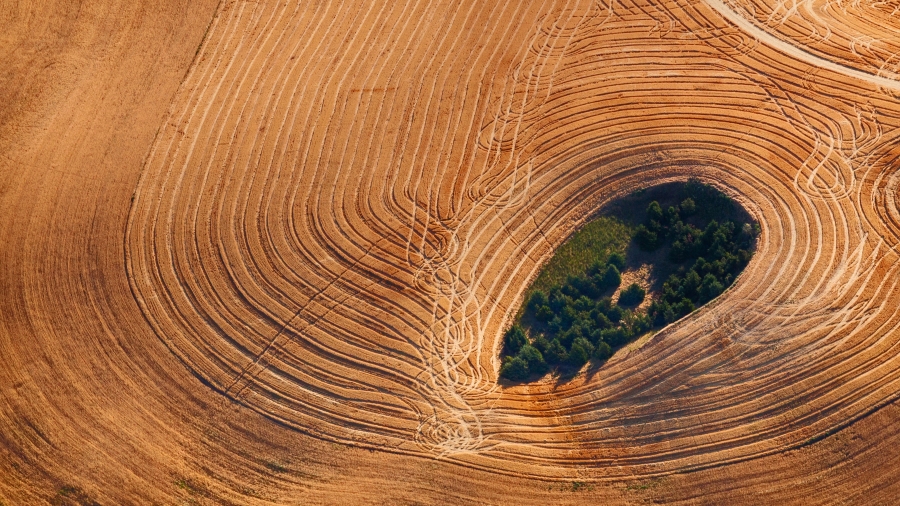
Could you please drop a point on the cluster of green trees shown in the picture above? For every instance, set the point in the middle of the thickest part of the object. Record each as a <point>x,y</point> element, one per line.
<point>576,321</point>
<point>711,257</point>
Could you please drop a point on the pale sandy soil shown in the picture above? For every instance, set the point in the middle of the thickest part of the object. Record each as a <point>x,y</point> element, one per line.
<point>263,253</point>
<point>641,276</point>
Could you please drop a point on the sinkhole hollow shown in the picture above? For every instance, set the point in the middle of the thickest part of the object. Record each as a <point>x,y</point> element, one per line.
<point>644,261</point>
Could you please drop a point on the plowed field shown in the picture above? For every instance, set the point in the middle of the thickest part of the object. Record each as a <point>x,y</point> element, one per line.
<point>265,252</point>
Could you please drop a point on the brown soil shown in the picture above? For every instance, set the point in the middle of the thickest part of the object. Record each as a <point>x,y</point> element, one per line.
<point>276,269</point>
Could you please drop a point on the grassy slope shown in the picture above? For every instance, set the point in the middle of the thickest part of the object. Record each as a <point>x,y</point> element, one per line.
<point>594,242</point>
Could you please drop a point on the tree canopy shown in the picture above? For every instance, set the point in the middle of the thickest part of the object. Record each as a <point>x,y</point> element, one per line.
<point>576,321</point>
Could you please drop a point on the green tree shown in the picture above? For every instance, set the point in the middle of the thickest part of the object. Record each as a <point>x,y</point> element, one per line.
<point>514,369</point>
<point>544,314</point>
<point>556,352</point>
<point>654,212</point>
<point>669,315</point>
<point>647,239</point>
<point>542,344</point>
<point>632,295</point>
<point>537,299</point>
<point>534,359</point>
<point>618,260</point>
<point>685,307</point>
<point>602,351</point>
<point>581,352</point>
<point>691,284</point>
<point>612,277</point>
<point>710,288</point>
<point>515,339</point>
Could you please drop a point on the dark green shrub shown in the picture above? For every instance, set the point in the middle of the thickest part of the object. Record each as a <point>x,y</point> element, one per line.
<point>690,284</point>
<point>618,260</point>
<point>614,314</point>
<point>601,321</point>
<point>515,339</point>
<point>537,299</point>
<point>611,277</point>
<point>654,212</point>
<point>647,239</point>
<point>556,353</point>
<point>602,351</point>
<point>710,288</point>
<point>685,307</point>
<point>542,344</point>
<point>533,359</point>
<point>544,314</point>
<point>632,295</point>
<point>558,300</point>
<point>514,369</point>
<point>580,352</point>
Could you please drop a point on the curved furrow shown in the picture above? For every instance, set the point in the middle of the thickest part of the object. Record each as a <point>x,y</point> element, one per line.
<point>347,205</point>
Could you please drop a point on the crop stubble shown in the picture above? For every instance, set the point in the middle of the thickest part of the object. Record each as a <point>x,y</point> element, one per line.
<point>336,242</point>
<point>346,201</point>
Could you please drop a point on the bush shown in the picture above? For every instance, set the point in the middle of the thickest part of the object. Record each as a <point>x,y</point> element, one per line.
<point>632,295</point>
<point>678,253</point>
<point>514,369</point>
<point>690,284</point>
<point>533,359</point>
<point>544,314</point>
<point>654,212</point>
<point>685,307</point>
<point>542,344</point>
<point>537,299</point>
<point>711,288</point>
<point>515,339</point>
<point>611,277</point>
<point>640,324</point>
<point>558,300</point>
<point>581,352</point>
<point>618,260</point>
<point>615,337</point>
<point>614,314</point>
<point>646,239</point>
<point>669,315</point>
<point>556,352</point>
<point>602,351</point>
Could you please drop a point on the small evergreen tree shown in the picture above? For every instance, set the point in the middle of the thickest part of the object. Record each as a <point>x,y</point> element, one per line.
<point>710,288</point>
<point>515,339</point>
<point>556,353</point>
<point>611,278</point>
<point>514,369</point>
<point>602,351</point>
<point>618,260</point>
<point>647,239</point>
<point>537,299</point>
<point>544,314</point>
<point>654,212</point>
<point>580,352</point>
<point>632,295</point>
<point>534,359</point>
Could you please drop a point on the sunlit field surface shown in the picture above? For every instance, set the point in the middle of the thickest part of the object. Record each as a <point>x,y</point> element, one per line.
<point>266,252</point>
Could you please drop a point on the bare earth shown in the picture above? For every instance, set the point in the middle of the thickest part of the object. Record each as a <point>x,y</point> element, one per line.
<point>264,252</point>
